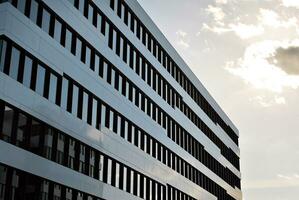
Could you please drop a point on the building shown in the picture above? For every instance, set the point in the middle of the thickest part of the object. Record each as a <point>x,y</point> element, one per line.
<point>96,104</point>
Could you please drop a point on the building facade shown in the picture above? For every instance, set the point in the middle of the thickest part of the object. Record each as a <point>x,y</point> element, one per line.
<point>96,104</point>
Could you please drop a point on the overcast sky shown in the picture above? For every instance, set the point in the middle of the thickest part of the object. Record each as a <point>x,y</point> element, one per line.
<point>246,53</point>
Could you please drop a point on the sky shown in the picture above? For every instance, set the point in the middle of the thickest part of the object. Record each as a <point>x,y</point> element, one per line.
<point>246,53</point>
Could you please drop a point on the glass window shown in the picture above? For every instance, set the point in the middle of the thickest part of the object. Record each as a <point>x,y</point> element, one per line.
<point>96,64</point>
<point>94,112</point>
<point>99,22</point>
<point>78,48</point>
<point>117,175</point>
<point>53,88</point>
<point>109,172</point>
<point>57,30</point>
<point>84,106</point>
<point>101,165</point>
<point>68,40</point>
<point>22,121</point>
<point>33,11</point>
<point>7,124</point>
<point>2,54</point>
<point>21,6</point>
<point>40,80</point>
<point>75,100</point>
<point>64,93</point>
<point>87,58</point>
<point>14,63</point>
<point>27,71</point>
<point>90,13</point>
<point>72,2</point>
<point>46,21</point>
<point>81,6</point>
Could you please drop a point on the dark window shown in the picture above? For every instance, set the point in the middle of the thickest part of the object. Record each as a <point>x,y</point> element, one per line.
<point>3,45</point>
<point>7,124</point>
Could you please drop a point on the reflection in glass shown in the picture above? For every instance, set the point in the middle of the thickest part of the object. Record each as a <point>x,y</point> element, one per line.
<point>7,124</point>
<point>68,40</point>
<point>21,128</point>
<point>46,21</point>
<point>40,80</point>
<point>52,88</point>
<point>2,54</point>
<point>64,93</point>
<point>33,11</point>
<point>57,30</point>
<point>84,106</point>
<point>27,72</point>
<point>14,63</point>
<point>75,100</point>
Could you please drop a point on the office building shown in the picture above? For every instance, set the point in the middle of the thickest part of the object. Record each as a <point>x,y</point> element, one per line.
<point>96,104</point>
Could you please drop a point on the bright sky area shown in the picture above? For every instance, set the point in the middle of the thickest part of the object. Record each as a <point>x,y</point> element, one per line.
<point>246,53</point>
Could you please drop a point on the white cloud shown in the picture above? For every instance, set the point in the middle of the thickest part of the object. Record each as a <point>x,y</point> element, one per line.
<point>184,44</point>
<point>265,101</point>
<point>182,40</point>
<point>217,13</point>
<point>221,1</point>
<point>215,29</point>
<point>255,68</point>
<point>288,177</point>
<point>272,19</point>
<point>245,31</point>
<point>181,33</point>
<point>290,3</point>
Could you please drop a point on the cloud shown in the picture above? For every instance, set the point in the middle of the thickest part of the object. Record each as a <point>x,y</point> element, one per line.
<point>221,1</point>
<point>256,69</point>
<point>243,31</point>
<point>268,101</point>
<point>287,59</point>
<point>290,3</point>
<point>272,19</point>
<point>216,12</point>
<point>182,39</point>
<point>181,33</point>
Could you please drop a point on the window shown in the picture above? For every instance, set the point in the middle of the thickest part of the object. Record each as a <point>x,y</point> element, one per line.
<point>40,80</point>
<point>14,63</point>
<point>46,21</point>
<point>33,11</point>
<point>87,58</point>
<point>22,121</point>
<point>64,93</point>
<point>53,88</point>
<point>85,106</point>
<point>68,40</point>
<point>94,113</point>
<point>57,30</point>
<point>21,6</point>
<point>7,124</point>
<point>3,45</point>
<point>81,6</point>
<point>27,71</point>
<point>78,48</point>
<point>75,100</point>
